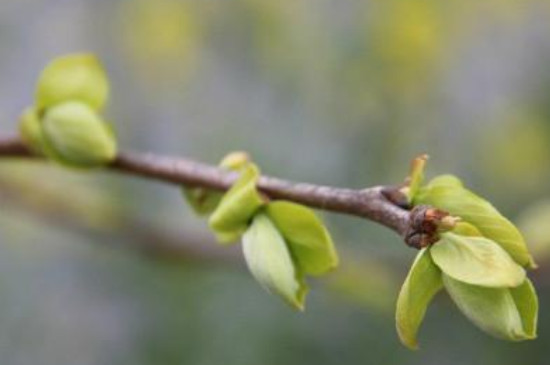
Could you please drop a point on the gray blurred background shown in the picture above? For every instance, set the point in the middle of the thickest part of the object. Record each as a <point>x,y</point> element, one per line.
<point>97,268</point>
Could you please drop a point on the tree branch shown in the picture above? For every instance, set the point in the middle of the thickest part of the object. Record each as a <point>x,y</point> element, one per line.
<point>373,203</point>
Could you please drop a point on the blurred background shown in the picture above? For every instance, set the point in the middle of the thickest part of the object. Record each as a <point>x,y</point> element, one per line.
<point>97,268</point>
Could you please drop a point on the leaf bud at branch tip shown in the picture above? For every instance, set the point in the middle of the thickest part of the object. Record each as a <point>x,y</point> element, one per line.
<point>235,160</point>
<point>448,222</point>
<point>416,177</point>
<point>425,224</point>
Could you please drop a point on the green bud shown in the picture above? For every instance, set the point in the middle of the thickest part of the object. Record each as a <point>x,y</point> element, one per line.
<point>477,261</point>
<point>73,77</point>
<point>76,136</point>
<point>446,193</point>
<point>416,176</point>
<point>508,314</point>
<point>204,201</point>
<point>420,286</point>
<point>270,262</point>
<point>30,130</point>
<point>235,160</point>
<point>306,235</point>
<point>238,205</point>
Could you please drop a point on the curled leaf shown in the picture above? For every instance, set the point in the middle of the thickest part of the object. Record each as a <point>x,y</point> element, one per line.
<point>78,77</point>
<point>496,311</point>
<point>204,201</point>
<point>416,176</point>
<point>420,286</point>
<point>270,262</point>
<point>238,205</point>
<point>477,261</point>
<point>445,193</point>
<point>75,135</point>
<point>306,235</point>
<point>235,160</point>
<point>525,298</point>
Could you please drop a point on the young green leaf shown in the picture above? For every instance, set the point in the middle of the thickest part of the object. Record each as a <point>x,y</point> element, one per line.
<point>527,303</point>
<point>270,262</point>
<point>204,201</point>
<point>477,261</point>
<point>446,194</point>
<point>466,229</point>
<point>238,205</point>
<point>446,180</point>
<point>420,286</point>
<point>306,235</point>
<point>201,200</point>
<point>76,136</point>
<point>416,176</point>
<point>493,310</point>
<point>30,130</point>
<point>73,77</point>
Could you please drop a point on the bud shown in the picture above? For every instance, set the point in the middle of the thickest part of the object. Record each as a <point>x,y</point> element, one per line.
<point>416,177</point>
<point>238,205</point>
<point>30,130</point>
<point>204,201</point>
<point>73,77</point>
<point>75,135</point>
<point>447,193</point>
<point>235,160</point>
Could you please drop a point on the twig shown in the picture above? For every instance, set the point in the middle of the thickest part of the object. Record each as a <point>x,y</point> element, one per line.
<point>371,203</point>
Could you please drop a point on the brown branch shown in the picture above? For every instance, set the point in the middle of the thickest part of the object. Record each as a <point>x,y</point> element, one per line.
<point>373,203</point>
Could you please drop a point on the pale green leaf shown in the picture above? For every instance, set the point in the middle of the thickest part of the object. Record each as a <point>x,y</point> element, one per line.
<point>466,229</point>
<point>73,77</point>
<point>75,135</point>
<point>446,180</point>
<point>238,205</point>
<point>493,310</point>
<point>270,261</point>
<point>477,261</point>
<point>446,194</point>
<point>307,237</point>
<point>416,177</point>
<point>527,303</point>
<point>420,286</point>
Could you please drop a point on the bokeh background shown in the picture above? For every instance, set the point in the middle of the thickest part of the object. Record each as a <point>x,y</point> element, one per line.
<point>97,268</point>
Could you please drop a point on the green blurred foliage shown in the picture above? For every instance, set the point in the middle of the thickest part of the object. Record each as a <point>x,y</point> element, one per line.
<point>335,92</point>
